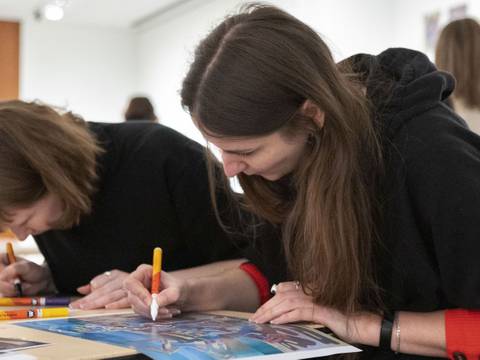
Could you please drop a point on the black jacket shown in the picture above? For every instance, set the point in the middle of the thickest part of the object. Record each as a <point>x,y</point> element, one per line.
<point>153,191</point>
<point>428,258</point>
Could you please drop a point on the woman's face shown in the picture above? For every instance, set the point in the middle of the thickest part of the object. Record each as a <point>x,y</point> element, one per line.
<point>35,218</point>
<point>271,157</point>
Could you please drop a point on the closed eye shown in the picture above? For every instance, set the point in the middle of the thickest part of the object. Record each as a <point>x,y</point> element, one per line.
<point>247,153</point>
<point>241,153</point>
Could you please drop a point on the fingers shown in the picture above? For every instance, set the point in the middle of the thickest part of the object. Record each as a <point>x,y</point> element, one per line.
<point>102,292</point>
<point>107,277</point>
<point>140,298</point>
<point>7,289</point>
<point>296,315</point>
<point>119,304</point>
<point>298,310</point>
<point>138,295</point>
<point>10,272</point>
<point>168,297</point>
<point>4,260</point>
<point>98,301</point>
<point>29,289</point>
<point>138,303</point>
<point>85,289</point>
<point>283,303</point>
<point>288,286</point>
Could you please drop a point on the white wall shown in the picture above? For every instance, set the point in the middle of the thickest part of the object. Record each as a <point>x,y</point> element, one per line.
<point>91,70</point>
<point>94,70</point>
<point>165,45</point>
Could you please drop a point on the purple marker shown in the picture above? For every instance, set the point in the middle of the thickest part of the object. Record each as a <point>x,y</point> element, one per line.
<point>56,301</point>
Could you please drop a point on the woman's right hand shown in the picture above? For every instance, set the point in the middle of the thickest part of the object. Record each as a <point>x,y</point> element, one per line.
<point>36,279</point>
<point>171,298</point>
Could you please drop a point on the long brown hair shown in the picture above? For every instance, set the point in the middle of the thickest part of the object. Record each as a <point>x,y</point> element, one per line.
<point>249,78</point>
<point>458,52</point>
<point>45,151</point>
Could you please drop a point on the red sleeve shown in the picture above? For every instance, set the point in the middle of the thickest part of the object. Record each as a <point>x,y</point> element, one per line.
<point>462,330</point>
<point>259,279</point>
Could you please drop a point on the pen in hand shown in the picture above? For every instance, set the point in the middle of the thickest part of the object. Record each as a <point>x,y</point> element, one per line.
<point>11,260</point>
<point>156,273</point>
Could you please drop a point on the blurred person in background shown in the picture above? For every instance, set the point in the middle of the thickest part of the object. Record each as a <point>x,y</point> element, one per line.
<point>140,108</point>
<point>458,52</point>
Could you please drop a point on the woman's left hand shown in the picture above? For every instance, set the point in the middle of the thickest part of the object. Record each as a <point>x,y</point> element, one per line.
<point>291,304</point>
<point>103,291</point>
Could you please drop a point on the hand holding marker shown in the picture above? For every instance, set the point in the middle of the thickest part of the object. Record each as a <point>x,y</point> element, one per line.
<point>11,260</point>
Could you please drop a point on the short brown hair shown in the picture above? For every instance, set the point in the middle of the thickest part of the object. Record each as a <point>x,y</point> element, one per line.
<point>458,52</point>
<point>140,108</point>
<point>42,151</point>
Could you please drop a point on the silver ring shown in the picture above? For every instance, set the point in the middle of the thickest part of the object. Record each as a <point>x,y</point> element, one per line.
<point>297,285</point>
<point>108,273</point>
<point>273,289</point>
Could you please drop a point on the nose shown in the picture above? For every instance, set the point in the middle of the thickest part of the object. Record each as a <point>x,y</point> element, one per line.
<point>20,232</point>
<point>232,165</point>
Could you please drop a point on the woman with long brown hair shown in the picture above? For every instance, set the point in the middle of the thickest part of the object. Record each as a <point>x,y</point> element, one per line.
<point>458,52</point>
<point>97,198</point>
<point>371,180</point>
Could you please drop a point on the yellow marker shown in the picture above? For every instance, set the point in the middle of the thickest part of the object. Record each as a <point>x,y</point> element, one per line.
<point>156,277</point>
<point>33,313</point>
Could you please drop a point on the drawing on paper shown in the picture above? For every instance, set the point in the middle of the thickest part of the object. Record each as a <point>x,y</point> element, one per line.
<point>198,336</point>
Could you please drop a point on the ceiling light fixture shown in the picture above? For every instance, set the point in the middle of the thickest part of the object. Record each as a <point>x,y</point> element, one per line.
<point>52,10</point>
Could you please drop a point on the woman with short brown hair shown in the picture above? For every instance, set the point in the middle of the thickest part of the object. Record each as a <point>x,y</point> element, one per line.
<point>97,198</point>
<point>140,109</point>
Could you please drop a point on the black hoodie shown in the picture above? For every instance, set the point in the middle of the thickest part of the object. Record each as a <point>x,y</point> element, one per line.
<point>428,256</point>
<point>152,191</point>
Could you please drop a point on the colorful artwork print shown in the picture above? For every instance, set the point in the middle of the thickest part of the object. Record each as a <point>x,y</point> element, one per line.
<point>198,336</point>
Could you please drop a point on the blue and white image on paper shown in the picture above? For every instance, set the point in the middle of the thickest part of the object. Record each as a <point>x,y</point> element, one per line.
<point>198,336</point>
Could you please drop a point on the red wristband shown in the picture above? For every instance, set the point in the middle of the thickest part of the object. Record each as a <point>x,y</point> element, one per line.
<point>462,330</point>
<point>259,279</point>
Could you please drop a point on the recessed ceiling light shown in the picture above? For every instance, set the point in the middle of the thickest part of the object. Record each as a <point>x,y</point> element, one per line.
<point>53,12</point>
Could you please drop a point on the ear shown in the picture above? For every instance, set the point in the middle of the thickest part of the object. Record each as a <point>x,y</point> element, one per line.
<point>310,109</point>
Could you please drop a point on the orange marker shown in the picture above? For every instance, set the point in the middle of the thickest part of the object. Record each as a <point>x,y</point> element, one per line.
<point>156,274</point>
<point>11,260</point>
<point>33,313</point>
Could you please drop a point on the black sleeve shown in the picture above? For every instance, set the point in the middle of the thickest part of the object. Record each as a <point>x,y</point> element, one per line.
<point>444,182</point>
